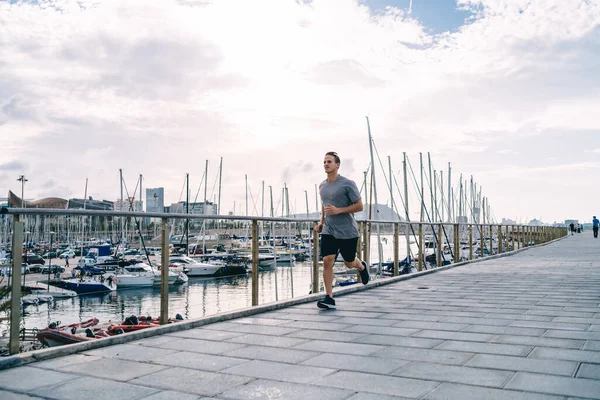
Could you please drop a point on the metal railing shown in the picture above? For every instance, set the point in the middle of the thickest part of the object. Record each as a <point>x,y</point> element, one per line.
<point>477,239</point>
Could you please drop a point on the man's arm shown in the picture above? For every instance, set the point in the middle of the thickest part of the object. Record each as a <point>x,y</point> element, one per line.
<point>319,226</point>
<point>351,209</point>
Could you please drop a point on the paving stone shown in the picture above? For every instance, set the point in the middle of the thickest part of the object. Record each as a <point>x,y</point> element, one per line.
<point>265,329</point>
<point>447,391</point>
<point>489,348</point>
<point>381,384</point>
<point>590,371</point>
<point>4,395</point>
<point>322,326</point>
<point>258,320</point>
<point>155,341</point>
<point>356,363</point>
<point>592,345</point>
<point>171,395</point>
<point>406,341</point>
<point>539,341</point>
<point>279,371</point>
<point>427,355</point>
<point>205,362</point>
<point>504,330</point>
<point>59,362</point>
<point>267,340</point>
<point>99,389</point>
<point>463,336</point>
<point>556,385</point>
<point>551,325</point>
<point>111,368</point>
<point>372,396</point>
<point>382,330</point>
<point>201,346</point>
<point>13,378</point>
<point>205,334</point>
<point>566,354</point>
<point>276,390</point>
<point>479,321</point>
<point>441,326</point>
<point>326,335</point>
<point>365,321</point>
<point>510,363</point>
<point>129,352</point>
<point>271,354</point>
<point>572,335</point>
<point>191,381</point>
<point>452,373</point>
<point>340,348</point>
<point>412,317</point>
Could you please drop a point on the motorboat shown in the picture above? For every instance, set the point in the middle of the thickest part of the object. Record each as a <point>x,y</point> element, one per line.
<point>143,269</point>
<point>86,285</point>
<point>195,268</point>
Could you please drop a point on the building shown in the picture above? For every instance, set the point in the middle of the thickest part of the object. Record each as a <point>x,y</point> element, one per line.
<point>207,208</point>
<point>508,221</point>
<point>129,204</point>
<point>90,204</point>
<point>155,200</point>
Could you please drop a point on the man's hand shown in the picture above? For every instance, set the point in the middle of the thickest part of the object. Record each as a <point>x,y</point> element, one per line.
<point>331,210</point>
<point>319,227</point>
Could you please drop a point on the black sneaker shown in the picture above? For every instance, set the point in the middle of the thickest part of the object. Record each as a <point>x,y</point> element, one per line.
<point>327,302</point>
<point>364,274</point>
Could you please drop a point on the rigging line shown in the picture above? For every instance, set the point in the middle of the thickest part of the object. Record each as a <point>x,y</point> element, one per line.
<point>139,229</point>
<point>438,240</point>
<point>364,183</point>
<point>253,202</point>
<point>182,189</point>
<point>214,185</point>
<point>198,191</point>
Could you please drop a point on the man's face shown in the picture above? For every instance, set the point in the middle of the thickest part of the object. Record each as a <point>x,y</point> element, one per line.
<point>330,165</point>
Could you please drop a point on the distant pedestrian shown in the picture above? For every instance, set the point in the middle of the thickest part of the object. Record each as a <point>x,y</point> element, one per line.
<point>339,233</point>
<point>572,226</point>
<point>578,227</point>
<point>595,224</point>
<point>66,261</point>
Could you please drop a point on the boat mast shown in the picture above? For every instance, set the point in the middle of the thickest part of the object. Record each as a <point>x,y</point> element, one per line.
<point>421,255</point>
<point>83,228</point>
<point>391,187</point>
<point>379,247</point>
<point>121,209</point>
<point>187,211</point>
<point>431,210</point>
<point>449,193</point>
<point>205,206</point>
<point>407,233</point>
<point>272,235</point>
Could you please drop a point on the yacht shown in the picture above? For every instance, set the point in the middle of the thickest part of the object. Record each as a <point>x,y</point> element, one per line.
<point>195,268</point>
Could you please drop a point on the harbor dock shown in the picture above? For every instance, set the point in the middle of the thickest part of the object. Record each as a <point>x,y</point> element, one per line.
<point>520,325</point>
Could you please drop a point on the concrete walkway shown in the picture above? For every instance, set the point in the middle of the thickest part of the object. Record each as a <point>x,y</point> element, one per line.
<point>522,327</point>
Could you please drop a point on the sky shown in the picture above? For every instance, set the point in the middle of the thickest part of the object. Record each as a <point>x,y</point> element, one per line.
<point>506,91</point>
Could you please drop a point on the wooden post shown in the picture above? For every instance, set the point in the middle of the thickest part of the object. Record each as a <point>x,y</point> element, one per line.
<point>512,236</point>
<point>438,254</point>
<point>456,244</point>
<point>315,271</point>
<point>366,243</point>
<point>254,262</point>
<point>421,255</point>
<point>506,237</point>
<point>471,242</point>
<point>396,247</point>
<point>164,273</point>
<point>500,239</point>
<point>491,240</point>
<point>15,299</point>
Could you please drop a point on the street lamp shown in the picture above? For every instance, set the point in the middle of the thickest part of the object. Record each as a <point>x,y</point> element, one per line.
<point>22,179</point>
<point>50,260</point>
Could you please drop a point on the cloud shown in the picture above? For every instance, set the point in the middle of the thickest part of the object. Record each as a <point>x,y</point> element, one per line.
<point>13,166</point>
<point>157,87</point>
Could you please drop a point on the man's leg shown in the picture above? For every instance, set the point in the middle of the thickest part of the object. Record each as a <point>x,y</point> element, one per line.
<point>348,251</point>
<point>328,262</point>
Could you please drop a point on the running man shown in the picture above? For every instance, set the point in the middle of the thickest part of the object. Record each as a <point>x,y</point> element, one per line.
<point>340,199</point>
<point>595,223</point>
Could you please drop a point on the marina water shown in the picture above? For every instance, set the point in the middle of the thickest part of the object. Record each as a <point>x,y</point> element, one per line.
<point>197,298</point>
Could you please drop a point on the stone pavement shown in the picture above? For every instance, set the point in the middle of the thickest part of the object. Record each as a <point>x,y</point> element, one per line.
<point>526,326</point>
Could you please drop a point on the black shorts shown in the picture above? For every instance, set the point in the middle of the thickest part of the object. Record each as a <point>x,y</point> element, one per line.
<point>346,247</point>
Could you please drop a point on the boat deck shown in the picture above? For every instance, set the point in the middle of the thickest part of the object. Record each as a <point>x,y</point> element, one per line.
<point>524,326</point>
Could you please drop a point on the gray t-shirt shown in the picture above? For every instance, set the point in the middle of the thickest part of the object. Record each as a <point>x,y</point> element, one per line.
<point>340,193</point>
